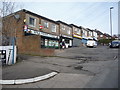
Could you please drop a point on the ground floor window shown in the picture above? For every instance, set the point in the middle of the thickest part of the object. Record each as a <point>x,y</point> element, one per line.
<point>49,43</point>
<point>68,42</point>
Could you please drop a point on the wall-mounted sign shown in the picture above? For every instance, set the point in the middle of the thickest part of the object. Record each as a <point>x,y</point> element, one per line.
<point>77,36</point>
<point>25,27</point>
<point>41,27</point>
<point>35,32</point>
<point>67,36</point>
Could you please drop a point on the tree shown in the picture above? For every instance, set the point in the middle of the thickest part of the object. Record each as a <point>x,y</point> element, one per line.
<point>7,8</point>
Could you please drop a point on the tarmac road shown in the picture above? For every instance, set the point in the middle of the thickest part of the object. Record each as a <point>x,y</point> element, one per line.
<point>78,67</point>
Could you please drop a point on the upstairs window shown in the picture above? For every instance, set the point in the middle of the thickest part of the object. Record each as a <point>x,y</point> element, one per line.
<point>68,31</point>
<point>101,35</point>
<point>78,31</point>
<point>46,24</point>
<point>53,28</point>
<point>63,27</point>
<point>32,21</point>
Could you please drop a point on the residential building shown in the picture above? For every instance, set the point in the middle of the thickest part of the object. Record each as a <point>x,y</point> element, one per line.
<point>65,33</point>
<point>106,36</point>
<point>99,34</point>
<point>95,35</point>
<point>77,35</point>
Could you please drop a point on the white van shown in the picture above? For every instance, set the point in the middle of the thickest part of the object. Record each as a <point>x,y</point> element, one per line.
<point>91,43</point>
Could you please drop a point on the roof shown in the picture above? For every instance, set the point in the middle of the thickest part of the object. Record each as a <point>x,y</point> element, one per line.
<point>26,11</point>
<point>99,32</point>
<point>89,29</point>
<point>63,23</point>
<point>107,35</point>
<point>75,26</point>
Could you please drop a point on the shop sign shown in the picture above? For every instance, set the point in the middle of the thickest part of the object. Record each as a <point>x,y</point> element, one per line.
<point>41,27</point>
<point>77,36</point>
<point>67,36</point>
<point>25,27</point>
<point>40,33</point>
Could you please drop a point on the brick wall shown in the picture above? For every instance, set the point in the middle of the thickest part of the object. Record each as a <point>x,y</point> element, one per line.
<point>25,44</point>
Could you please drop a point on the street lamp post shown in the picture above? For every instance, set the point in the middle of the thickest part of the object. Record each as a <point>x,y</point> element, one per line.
<point>111,21</point>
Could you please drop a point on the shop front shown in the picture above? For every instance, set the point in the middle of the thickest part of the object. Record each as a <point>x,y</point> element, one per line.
<point>68,40</point>
<point>77,40</point>
<point>47,40</point>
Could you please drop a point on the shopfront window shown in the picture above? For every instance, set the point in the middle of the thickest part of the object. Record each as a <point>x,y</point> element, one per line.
<point>49,43</point>
<point>67,41</point>
<point>46,42</point>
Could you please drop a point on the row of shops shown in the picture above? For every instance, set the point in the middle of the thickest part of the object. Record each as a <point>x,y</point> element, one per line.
<point>53,41</point>
<point>49,40</point>
<point>52,32</point>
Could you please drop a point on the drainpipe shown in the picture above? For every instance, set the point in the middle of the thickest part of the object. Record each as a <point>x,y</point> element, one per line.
<point>13,43</point>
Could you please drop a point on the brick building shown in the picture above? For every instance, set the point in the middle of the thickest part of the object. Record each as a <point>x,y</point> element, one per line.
<point>84,35</point>
<point>32,32</point>
<point>77,35</point>
<point>65,33</point>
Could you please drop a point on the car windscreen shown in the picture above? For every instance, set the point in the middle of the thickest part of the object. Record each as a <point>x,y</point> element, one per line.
<point>115,43</point>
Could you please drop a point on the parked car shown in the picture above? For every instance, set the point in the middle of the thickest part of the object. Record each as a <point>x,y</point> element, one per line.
<point>91,43</point>
<point>114,44</point>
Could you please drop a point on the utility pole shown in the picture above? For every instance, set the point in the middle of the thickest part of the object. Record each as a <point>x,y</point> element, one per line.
<point>111,21</point>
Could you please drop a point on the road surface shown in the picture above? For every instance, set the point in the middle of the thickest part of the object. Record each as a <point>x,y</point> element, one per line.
<point>78,67</point>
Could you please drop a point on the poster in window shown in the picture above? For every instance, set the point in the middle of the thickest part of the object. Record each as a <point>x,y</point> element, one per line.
<point>50,42</point>
<point>46,42</point>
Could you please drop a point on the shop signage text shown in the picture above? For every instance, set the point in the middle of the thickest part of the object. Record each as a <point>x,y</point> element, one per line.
<point>40,33</point>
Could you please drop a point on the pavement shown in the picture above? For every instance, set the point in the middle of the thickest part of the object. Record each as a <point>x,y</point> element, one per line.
<point>24,70</point>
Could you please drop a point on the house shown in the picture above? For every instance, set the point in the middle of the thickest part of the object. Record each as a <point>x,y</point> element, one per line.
<point>66,33</point>
<point>106,36</point>
<point>99,34</point>
<point>95,35</point>
<point>77,35</point>
<point>34,34</point>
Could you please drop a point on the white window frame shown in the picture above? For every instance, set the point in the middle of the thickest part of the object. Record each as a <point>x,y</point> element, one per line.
<point>69,31</point>
<point>85,33</point>
<point>53,28</point>
<point>34,23</point>
<point>46,24</point>
<point>101,35</point>
<point>78,31</point>
<point>63,27</point>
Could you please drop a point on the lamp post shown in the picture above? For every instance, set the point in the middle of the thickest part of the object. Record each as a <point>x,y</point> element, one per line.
<point>111,21</point>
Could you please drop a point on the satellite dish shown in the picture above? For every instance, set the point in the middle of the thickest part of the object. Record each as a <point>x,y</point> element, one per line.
<point>17,16</point>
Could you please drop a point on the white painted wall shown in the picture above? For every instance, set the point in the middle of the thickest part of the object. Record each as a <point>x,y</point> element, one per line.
<point>7,48</point>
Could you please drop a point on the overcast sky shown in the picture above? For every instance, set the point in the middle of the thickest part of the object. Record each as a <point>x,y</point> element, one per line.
<point>93,15</point>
